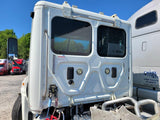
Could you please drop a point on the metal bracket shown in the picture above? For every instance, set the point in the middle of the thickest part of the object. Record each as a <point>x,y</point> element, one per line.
<point>67,10</point>
<point>53,91</point>
<point>117,23</point>
<point>137,104</point>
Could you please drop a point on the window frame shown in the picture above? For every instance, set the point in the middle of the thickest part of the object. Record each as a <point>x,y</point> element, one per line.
<point>67,52</point>
<point>125,51</point>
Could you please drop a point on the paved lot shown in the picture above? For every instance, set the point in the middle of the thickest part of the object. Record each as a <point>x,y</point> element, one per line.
<point>9,89</point>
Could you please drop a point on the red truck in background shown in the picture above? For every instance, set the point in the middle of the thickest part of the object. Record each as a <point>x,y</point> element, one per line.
<point>5,66</point>
<point>19,67</point>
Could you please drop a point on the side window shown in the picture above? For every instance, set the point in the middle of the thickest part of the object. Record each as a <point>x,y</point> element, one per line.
<point>111,42</point>
<point>71,37</point>
<point>146,20</point>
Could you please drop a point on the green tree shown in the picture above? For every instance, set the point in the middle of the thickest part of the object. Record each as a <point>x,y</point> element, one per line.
<point>4,35</point>
<point>24,46</point>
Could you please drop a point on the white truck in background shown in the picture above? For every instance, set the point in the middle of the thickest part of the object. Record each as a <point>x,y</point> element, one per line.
<point>145,51</point>
<point>78,59</point>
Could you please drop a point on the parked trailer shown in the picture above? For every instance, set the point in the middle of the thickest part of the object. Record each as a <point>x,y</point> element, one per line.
<point>78,59</point>
<point>145,49</point>
<point>5,66</point>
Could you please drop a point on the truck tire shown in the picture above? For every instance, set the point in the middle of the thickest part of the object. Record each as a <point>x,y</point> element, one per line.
<point>17,109</point>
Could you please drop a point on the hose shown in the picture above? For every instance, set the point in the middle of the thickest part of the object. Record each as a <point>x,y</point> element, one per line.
<point>49,105</point>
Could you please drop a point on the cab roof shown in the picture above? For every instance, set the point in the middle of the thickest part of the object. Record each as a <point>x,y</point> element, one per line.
<point>74,9</point>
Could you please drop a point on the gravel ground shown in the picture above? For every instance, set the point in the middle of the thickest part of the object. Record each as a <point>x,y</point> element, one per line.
<point>9,89</point>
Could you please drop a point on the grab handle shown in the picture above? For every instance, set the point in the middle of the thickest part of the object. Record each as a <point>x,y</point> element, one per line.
<point>46,69</point>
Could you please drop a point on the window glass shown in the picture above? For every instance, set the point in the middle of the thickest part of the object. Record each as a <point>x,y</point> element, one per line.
<point>14,65</point>
<point>71,37</point>
<point>1,65</point>
<point>146,20</point>
<point>111,42</point>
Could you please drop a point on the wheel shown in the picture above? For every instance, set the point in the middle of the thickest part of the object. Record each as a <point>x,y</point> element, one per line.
<point>17,109</point>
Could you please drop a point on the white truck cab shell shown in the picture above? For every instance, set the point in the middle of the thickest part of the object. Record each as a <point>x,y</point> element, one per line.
<point>92,84</point>
<point>145,51</point>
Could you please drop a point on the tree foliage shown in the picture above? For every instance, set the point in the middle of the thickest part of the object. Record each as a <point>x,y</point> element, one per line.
<point>4,35</point>
<point>24,46</point>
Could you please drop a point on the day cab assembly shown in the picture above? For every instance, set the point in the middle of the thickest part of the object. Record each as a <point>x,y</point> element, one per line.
<point>80,64</point>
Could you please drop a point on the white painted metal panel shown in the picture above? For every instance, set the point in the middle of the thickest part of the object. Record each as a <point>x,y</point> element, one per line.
<point>47,67</point>
<point>145,49</point>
